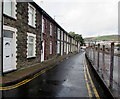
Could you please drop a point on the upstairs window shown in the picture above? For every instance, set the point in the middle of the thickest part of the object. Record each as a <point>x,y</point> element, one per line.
<point>58,34</point>
<point>10,8</point>
<point>62,35</point>
<point>51,29</point>
<point>31,15</point>
<point>67,38</point>
<point>44,25</point>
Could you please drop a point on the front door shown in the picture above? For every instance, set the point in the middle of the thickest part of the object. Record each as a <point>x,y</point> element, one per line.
<point>42,51</point>
<point>8,51</point>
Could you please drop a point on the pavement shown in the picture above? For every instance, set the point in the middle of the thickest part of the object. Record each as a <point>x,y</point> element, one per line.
<point>22,74</point>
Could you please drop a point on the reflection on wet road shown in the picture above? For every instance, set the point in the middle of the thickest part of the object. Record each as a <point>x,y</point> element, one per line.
<point>65,80</point>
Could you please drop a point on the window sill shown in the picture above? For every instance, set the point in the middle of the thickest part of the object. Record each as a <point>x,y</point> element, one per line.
<point>31,57</point>
<point>32,26</point>
<point>44,33</point>
<point>12,18</point>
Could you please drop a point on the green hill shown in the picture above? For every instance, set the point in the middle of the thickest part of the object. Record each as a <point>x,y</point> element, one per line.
<point>104,38</point>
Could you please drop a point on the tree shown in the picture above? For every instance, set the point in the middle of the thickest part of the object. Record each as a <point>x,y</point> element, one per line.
<point>77,37</point>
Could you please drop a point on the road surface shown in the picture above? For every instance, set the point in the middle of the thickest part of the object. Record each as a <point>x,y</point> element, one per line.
<point>71,78</point>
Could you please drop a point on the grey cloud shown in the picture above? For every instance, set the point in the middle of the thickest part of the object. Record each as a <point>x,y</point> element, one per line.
<point>87,17</point>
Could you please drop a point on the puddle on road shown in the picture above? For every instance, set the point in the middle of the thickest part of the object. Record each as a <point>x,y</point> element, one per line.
<point>54,82</point>
<point>67,83</point>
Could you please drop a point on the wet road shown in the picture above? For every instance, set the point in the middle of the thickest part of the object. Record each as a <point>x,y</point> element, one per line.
<point>65,80</point>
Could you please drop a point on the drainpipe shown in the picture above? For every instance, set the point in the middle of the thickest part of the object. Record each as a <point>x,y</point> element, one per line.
<point>1,37</point>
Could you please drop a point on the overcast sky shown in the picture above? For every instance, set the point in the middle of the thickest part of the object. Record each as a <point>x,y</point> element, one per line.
<point>86,17</point>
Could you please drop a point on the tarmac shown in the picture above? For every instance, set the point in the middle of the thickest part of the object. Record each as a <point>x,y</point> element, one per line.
<point>24,73</point>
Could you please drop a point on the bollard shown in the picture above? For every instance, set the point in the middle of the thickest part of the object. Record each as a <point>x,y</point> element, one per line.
<point>111,66</point>
<point>103,61</point>
<point>98,57</point>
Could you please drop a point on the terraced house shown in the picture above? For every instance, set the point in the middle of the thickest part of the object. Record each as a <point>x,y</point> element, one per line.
<point>31,36</point>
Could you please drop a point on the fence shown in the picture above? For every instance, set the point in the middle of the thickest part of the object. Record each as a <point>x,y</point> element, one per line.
<point>106,62</point>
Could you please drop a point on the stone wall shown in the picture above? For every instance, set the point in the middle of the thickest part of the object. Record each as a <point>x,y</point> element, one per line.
<point>21,24</point>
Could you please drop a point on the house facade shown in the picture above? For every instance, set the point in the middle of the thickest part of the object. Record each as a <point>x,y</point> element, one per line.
<point>31,36</point>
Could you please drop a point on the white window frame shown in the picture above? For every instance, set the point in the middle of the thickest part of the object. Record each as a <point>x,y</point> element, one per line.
<point>51,29</point>
<point>34,15</point>
<point>65,37</point>
<point>58,47</point>
<point>61,48</point>
<point>43,25</point>
<point>34,45</point>
<point>51,47</point>
<point>64,47</point>
<point>62,35</point>
<point>72,41</point>
<point>58,34</point>
<point>13,9</point>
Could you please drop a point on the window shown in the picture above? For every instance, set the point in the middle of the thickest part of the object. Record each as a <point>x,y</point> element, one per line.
<point>64,47</point>
<point>44,25</point>
<point>50,47</point>
<point>10,8</point>
<point>67,38</point>
<point>62,35</point>
<point>61,48</point>
<point>69,47</point>
<point>8,34</point>
<point>31,45</point>
<point>31,15</point>
<point>58,33</point>
<point>51,29</point>
<point>58,47</point>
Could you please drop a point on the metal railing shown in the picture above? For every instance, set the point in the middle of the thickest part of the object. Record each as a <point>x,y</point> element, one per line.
<point>106,62</point>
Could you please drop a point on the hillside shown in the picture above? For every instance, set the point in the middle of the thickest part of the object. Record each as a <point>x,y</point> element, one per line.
<point>106,38</point>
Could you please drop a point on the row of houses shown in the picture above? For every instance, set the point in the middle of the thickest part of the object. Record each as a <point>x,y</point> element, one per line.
<point>31,36</point>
